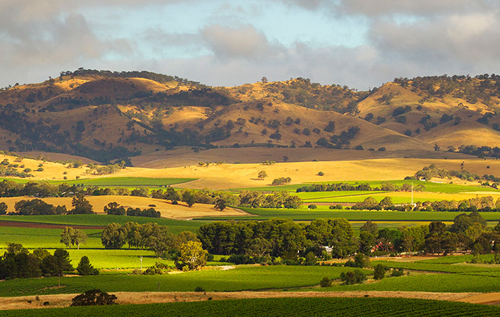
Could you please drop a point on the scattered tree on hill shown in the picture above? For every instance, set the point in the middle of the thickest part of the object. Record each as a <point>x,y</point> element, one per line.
<point>262,174</point>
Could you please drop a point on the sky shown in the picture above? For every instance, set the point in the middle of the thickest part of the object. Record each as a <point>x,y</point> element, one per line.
<point>358,43</point>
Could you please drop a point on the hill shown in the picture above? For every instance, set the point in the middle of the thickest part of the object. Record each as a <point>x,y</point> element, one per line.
<point>109,116</point>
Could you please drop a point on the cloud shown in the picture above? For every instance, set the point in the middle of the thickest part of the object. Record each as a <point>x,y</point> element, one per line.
<point>240,42</point>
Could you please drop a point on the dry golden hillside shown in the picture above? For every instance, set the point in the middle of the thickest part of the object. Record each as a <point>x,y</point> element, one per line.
<point>109,116</point>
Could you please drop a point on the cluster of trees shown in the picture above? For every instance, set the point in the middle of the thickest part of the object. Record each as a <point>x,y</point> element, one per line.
<point>184,248</point>
<point>467,233</point>
<point>281,181</point>
<point>485,204</point>
<point>113,208</point>
<point>18,262</point>
<point>71,237</point>
<point>38,207</point>
<point>480,151</point>
<point>107,169</point>
<point>385,186</point>
<point>371,204</point>
<point>428,172</point>
<point>12,171</point>
<point>279,238</point>
<point>279,199</point>
<point>339,141</point>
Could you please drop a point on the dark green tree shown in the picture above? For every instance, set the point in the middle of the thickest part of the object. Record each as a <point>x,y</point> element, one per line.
<point>85,268</point>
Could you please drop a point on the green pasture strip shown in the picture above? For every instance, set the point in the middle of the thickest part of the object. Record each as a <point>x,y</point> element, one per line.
<point>32,238</point>
<point>352,215</point>
<point>445,268</point>
<point>429,186</point>
<point>114,181</point>
<point>239,279</point>
<point>313,196</point>
<point>439,282</point>
<point>175,226</point>
<point>347,307</point>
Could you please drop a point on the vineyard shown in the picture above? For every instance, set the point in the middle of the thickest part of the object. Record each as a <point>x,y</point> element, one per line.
<point>278,307</point>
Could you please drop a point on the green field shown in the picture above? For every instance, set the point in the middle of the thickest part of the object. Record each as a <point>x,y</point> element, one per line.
<point>429,186</point>
<point>239,279</point>
<point>353,215</point>
<point>278,307</point>
<point>175,226</point>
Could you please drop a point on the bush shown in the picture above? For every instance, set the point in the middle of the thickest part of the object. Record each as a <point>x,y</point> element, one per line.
<point>397,273</point>
<point>338,206</point>
<point>352,277</point>
<point>325,282</point>
<point>379,272</point>
<point>312,206</point>
<point>199,289</point>
<point>321,174</point>
<point>94,297</point>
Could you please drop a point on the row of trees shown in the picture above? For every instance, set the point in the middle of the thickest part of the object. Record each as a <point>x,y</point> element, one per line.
<point>184,248</point>
<point>384,186</point>
<point>18,262</point>
<point>38,207</point>
<point>114,208</point>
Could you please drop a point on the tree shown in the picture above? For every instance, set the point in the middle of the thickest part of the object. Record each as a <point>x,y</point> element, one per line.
<point>71,236</point>
<point>193,255</point>
<point>259,247</point>
<point>113,236</point>
<point>113,208</point>
<point>78,238</point>
<point>3,208</point>
<point>220,204</point>
<point>66,236</point>
<point>85,268</point>
<point>94,297</point>
<point>188,197</point>
<point>81,205</point>
<point>370,227</point>
<point>262,174</point>
<point>56,264</point>
<point>366,242</point>
<point>379,272</point>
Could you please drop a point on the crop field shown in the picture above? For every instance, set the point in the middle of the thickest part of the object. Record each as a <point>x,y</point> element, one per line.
<point>238,279</point>
<point>353,215</point>
<point>32,238</point>
<point>279,307</point>
<point>175,226</point>
<point>431,187</point>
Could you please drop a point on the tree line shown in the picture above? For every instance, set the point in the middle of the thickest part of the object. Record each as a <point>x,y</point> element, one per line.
<point>384,186</point>
<point>18,262</point>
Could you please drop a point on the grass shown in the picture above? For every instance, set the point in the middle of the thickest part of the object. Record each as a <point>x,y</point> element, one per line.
<point>352,215</point>
<point>175,226</point>
<point>32,238</point>
<point>429,186</point>
<point>238,279</point>
<point>347,307</point>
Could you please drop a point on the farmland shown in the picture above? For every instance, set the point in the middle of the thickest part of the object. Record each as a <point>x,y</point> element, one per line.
<point>281,307</point>
<point>119,267</point>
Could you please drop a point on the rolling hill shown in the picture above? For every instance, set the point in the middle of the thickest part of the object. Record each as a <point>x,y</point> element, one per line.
<point>108,116</point>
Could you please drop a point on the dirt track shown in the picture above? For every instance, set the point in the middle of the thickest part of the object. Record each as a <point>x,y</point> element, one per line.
<point>124,298</point>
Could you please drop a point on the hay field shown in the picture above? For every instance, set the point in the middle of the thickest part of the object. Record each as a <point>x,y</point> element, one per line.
<point>226,176</point>
<point>180,211</point>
